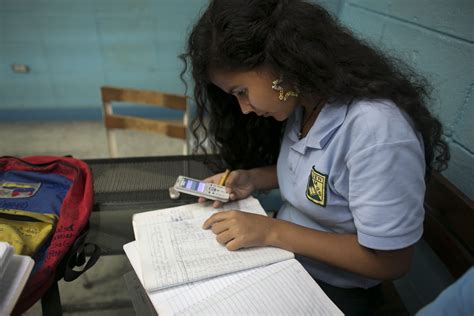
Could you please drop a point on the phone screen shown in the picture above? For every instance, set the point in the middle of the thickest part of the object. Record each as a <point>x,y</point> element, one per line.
<point>193,185</point>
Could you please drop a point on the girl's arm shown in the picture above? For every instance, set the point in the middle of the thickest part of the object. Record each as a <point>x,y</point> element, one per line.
<point>237,229</point>
<point>264,178</point>
<point>340,250</point>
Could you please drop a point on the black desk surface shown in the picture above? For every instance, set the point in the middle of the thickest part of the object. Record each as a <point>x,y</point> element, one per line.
<point>142,182</point>
<point>125,186</point>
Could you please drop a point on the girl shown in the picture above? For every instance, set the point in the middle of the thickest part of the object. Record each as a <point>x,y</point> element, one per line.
<point>292,100</point>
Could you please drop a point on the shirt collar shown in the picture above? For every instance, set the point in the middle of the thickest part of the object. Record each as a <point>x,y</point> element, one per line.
<point>332,116</point>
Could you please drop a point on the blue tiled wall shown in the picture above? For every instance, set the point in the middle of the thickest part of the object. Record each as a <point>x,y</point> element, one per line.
<point>437,39</point>
<point>74,46</point>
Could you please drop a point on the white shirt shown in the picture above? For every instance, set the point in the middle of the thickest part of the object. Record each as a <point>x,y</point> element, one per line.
<point>359,170</point>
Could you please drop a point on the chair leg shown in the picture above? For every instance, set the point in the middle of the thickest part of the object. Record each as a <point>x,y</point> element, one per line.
<point>185,148</point>
<point>112,143</point>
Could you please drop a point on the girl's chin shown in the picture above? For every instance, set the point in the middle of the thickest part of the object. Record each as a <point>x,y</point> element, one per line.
<point>279,118</point>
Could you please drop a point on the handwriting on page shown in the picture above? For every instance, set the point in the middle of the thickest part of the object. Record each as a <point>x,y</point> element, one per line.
<point>173,300</point>
<point>182,252</point>
<point>174,249</point>
<point>283,288</point>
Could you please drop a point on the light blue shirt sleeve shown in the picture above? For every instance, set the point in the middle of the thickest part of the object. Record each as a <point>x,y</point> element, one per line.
<point>386,189</point>
<point>457,299</point>
<point>386,178</point>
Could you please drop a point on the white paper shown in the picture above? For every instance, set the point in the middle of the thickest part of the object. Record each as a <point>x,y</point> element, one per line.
<point>172,300</point>
<point>174,249</point>
<point>283,288</point>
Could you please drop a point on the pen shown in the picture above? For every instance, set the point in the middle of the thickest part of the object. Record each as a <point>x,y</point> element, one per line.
<point>224,177</point>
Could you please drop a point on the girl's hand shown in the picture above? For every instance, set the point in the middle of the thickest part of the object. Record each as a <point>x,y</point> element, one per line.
<point>239,185</point>
<point>236,229</point>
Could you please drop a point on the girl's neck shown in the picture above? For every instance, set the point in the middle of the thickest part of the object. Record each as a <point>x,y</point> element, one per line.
<point>310,114</point>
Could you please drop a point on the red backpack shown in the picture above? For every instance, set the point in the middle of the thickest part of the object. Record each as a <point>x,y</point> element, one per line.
<point>56,185</point>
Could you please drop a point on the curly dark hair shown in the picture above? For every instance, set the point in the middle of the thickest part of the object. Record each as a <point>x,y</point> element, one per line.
<point>305,44</point>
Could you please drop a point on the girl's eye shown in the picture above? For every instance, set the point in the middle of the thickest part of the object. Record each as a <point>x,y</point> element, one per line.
<point>240,93</point>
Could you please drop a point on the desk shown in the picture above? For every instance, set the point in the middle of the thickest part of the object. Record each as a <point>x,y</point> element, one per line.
<point>123,187</point>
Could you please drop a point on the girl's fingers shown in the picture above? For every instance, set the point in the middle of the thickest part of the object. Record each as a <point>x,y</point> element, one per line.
<point>217,204</point>
<point>224,237</point>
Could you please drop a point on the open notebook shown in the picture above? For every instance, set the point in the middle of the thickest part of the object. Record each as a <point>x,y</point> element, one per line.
<point>174,249</point>
<point>14,272</point>
<point>184,270</point>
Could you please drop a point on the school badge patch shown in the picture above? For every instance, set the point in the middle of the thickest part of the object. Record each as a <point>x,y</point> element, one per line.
<point>316,189</point>
<point>13,189</point>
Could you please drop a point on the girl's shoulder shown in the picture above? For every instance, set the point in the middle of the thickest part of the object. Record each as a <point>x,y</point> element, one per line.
<point>375,112</point>
<point>381,120</point>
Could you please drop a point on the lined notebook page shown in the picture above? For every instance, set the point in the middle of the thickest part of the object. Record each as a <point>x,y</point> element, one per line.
<point>175,299</point>
<point>283,288</point>
<point>174,249</point>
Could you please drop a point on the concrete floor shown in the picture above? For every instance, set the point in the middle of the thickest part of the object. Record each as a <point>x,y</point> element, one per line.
<point>102,291</point>
<point>82,140</point>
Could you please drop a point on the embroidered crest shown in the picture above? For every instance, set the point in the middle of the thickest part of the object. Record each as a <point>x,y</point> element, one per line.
<point>11,189</point>
<point>316,189</point>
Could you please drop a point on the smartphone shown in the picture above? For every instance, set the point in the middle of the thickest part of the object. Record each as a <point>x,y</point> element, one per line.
<point>199,188</point>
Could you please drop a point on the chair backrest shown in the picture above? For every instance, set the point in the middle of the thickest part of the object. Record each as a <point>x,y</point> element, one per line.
<point>449,224</point>
<point>171,128</point>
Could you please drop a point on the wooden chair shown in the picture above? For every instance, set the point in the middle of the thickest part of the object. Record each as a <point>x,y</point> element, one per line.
<point>171,128</point>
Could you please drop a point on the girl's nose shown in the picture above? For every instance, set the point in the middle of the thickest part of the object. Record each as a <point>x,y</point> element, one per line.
<point>245,107</point>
